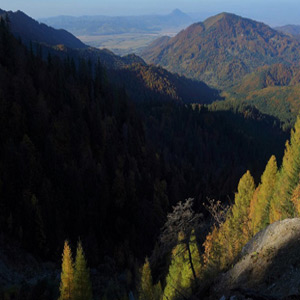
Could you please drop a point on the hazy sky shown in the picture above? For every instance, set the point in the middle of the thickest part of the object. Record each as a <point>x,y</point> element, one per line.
<point>273,12</point>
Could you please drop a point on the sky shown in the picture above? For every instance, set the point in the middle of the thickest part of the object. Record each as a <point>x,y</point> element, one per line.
<point>272,12</point>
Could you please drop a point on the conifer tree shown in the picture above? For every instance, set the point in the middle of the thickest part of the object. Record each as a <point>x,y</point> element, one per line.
<point>281,204</point>
<point>148,291</point>
<point>253,208</point>
<point>67,274</point>
<point>260,208</point>
<point>179,228</point>
<point>225,242</point>
<point>82,283</point>
<point>212,251</point>
<point>241,209</point>
<point>296,200</point>
<point>158,291</point>
<point>180,279</point>
<point>178,284</point>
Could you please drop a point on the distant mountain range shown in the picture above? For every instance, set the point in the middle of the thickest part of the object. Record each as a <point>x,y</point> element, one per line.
<point>99,25</point>
<point>223,49</point>
<point>293,30</point>
<point>131,72</point>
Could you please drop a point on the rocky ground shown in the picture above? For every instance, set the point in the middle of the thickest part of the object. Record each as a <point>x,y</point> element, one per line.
<point>268,268</point>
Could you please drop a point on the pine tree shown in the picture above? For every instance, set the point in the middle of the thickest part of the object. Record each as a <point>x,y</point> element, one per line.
<point>82,283</point>
<point>67,274</point>
<point>260,209</point>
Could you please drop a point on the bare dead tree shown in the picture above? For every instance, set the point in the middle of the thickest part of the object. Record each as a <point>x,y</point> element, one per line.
<point>183,220</point>
<point>217,210</point>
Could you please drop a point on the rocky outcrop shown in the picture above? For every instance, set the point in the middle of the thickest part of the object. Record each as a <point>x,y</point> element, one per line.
<point>268,268</point>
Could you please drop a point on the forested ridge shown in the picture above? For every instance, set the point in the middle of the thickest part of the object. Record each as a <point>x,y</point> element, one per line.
<point>79,158</point>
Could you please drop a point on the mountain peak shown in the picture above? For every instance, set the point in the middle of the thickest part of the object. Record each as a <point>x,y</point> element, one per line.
<point>223,49</point>
<point>177,12</point>
<point>222,16</point>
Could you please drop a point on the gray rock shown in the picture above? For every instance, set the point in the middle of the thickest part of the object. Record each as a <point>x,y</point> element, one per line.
<point>269,265</point>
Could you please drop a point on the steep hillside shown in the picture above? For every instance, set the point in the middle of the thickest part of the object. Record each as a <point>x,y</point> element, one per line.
<point>274,90</point>
<point>144,83</point>
<point>223,49</point>
<point>28,29</point>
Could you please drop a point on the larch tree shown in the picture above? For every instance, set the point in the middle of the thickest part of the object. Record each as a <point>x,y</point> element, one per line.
<point>179,228</point>
<point>148,291</point>
<point>281,204</point>
<point>180,281</point>
<point>252,210</point>
<point>82,283</point>
<point>158,293</point>
<point>180,277</point>
<point>296,200</point>
<point>261,207</point>
<point>241,209</point>
<point>67,274</point>
<point>212,251</point>
<point>225,242</point>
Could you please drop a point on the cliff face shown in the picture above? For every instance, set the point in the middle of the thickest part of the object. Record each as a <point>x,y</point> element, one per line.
<point>268,267</point>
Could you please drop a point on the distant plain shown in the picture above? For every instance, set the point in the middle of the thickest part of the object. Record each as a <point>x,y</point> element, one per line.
<point>125,43</point>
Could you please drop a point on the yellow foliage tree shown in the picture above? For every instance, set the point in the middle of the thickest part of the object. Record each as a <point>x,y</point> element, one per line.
<point>241,210</point>
<point>260,204</point>
<point>180,279</point>
<point>224,243</point>
<point>252,210</point>
<point>67,274</point>
<point>281,203</point>
<point>148,291</point>
<point>296,200</point>
<point>82,283</point>
<point>212,251</point>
